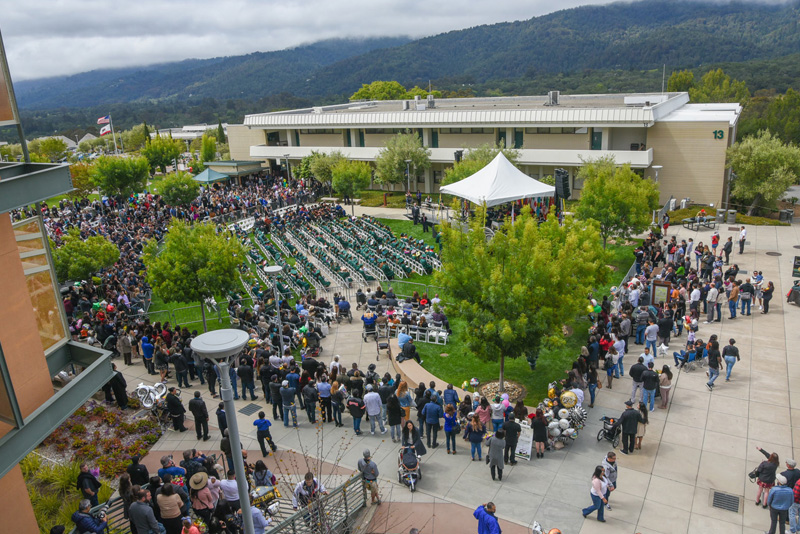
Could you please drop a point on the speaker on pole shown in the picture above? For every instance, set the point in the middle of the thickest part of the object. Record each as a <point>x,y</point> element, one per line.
<point>562,183</point>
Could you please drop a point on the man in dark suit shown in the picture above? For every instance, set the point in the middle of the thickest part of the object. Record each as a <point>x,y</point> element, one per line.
<point>198,408</point>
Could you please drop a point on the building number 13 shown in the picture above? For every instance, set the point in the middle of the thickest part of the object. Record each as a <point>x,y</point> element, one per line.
<point>719,134</point>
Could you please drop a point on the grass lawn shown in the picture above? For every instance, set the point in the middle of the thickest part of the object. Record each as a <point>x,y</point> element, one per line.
<point>374,199</point>
<point>56,199</point>
<point>189,314</point>
<point>678,215</point>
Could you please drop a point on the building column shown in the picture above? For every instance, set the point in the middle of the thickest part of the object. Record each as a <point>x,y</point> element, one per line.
<point>426,137</point>
<point>289,137</point>
<point>606,135</point>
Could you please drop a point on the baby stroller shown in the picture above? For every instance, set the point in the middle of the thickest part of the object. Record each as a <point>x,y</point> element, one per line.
<point>611,431</point>
<point>409,470</point>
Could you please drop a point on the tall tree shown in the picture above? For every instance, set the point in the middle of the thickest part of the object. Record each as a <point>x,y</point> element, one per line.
<point>680,81</point>
<point>783,117</point>
<point>349,177</point>
<point>179,189</point>
<point>477,158</point>
<point>77,259</point>
<point>121,176</point>
<point>208,149</point>
<point>616,198</point>
<point>380,90</point>
<point>321,165</point>
<point>52,148</point>
<point>193,264</point>
<point>765,168</point>
<point>516,291</point>
<point>136,137</point>
<point>161,151</point>
<point>221,133</point>
<point>716,86</point>
<point>391,160</point>
<point>82,180</point>
<point>146,133</point>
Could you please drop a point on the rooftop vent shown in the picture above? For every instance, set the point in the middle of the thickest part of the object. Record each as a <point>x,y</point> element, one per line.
<point>431,102</point>
<point>405,105</point>
<point>552,98</point>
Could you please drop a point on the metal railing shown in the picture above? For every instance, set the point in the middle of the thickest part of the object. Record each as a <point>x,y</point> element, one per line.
<point>334,512</point>
<point>114,509</point>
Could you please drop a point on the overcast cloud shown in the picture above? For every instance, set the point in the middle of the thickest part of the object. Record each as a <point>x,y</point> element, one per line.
<point>54,37</point>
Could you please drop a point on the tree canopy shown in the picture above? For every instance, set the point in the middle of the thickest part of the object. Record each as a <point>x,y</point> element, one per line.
<point>680,81</point>
<point>208,149</point>
<point>477,158</point>
<point>381,90</point>
<point>77,259</point>
<point>194,263</point>
<point>121,176</point>
<point>765,167</point>
<point>716,86</point>
<point>82,180</point>
<point>616,198</point>
<point>321,165</point>
<point>391,161</point>
<point>160,152</point>
<point>179,189</point>
<point>516,291</point>
<point>349,177</point>
<point>52,148</point>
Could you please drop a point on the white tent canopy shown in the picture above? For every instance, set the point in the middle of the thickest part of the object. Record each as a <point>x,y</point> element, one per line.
<point>498,183</point>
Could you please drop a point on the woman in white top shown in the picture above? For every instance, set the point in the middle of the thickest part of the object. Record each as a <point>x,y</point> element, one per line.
<point>598,493</point>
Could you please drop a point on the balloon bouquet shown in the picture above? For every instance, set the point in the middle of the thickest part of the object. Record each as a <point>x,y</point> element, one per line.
<point>565,418</point>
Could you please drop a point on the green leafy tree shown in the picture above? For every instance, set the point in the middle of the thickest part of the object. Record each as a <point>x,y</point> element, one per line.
<point>716,86</point>
<point>420,92</point>
<point>160,152</point>
<point>616,198</point>
<point>680,81</point>
<point>476,159</point>
<point>146,132</point>
<point>52,148</point>
<point>136,137</point>
<point>504,288</point>
<point>782,117</point>
<point>121,176</point>
<point>179,189</point>
<point>349,177</point>
<point>321,165</point>
<point>208,149</point>
<point>380,90</point>
<point>82,180</point>
<point>765,168</point>
<point>221,133</point>
<point>194,263</point>
<point>391,161</point>
<point>77,259</point>
<point>303,170</point>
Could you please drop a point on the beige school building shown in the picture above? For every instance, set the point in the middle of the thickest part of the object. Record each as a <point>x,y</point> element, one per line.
<point>661,135</point>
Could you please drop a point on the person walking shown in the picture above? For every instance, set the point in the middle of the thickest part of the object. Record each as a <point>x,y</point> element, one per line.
<point>765,475</point>
<point>742,239</point>
<point>780,500</point>
<point>665,384</point>
<point>369,470</point>
<point>451,427</point>
<point>432,412</point>
<point>512,430</point>
<point>592,382</point>
<point>610,365</point>
<point>495,446</point>
<point>641,427</point>
<point>487,522</point>
<point>262,425</point>
<point>598,493</point>
<point>474,434</point>
<point>650,381</point>
<point>197,407</point>
<point>629,421</point>
<point>731,355</point>
<point>714,364</point>
<point>609,463</point>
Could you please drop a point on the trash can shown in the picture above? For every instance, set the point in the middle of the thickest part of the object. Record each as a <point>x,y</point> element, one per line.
<point>731,217</point>
<point>786,215</point>
<point>720,216</point>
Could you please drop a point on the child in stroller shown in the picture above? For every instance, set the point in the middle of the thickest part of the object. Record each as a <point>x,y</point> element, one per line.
<point>409,470</point>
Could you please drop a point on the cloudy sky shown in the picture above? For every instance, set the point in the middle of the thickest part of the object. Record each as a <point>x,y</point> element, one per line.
<point>53,37</point>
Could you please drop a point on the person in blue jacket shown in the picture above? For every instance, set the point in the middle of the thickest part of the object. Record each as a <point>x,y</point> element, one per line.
<point>487,522</point>
<point>433,413</point>
<point>86,522</point>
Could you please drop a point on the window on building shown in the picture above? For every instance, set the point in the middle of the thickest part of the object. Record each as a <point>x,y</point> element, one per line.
<point>481,130</point>
<point>42,284</point>
<point>453,130</point>
<point>421,178</point>
<point>320,131</point>
<point>552,130</point>
<point>437,177</point>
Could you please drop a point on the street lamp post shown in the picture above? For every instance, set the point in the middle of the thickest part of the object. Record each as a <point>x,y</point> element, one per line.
<point>656,168</point>
<point>408,175</point>
<point>220,345</point>
<point>273,272</point>
<point>288,168</point>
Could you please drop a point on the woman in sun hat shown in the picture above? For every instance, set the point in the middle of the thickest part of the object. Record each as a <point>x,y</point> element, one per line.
<point>202,499</point>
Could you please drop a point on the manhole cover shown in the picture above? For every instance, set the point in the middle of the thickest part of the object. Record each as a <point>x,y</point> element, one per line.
<point>742,271</point>
<point>733,228</point>
<point>725,501</point>
<point>774,254</point>
<point>250,409</point>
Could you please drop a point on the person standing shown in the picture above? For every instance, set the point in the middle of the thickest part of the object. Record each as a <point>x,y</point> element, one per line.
<point>275,398</point>
<point>598,493</point>
<point>374,407</point>
<point>176,409</point>
<point>592,381</point>
<point>119,387</point>
<point>138,472</point>
<point>731,355</point>
<point>356,407</point>
<point>636,371</point>
<point>141,514</point>
<point>540,438</point>
<point>733,299</point>
<point>714,364</point>
<point>310,398</point>
<point>200,413</point>
<point>727,249</point>
<point>651,335</point>
<point>494,455</point>
<point>641,427</point>
<point>742,239</point>
<point>432,412</point>
<point>124,346</point>
<point>746,294</point>
<point>247,376</point>
<point>474,434</point>
<point>262,425</point>
<point>767,296</point>
<point>794,510</point>
<point>369,470</point>
<point>629,421</point>
<point>780,500</point>
<point>610,364</point>
<point>650,382</point>
<point>287,401</point>
<point>88,485</point>
<point>325,406</point>
<point>512,431</point>
<point>394,417</point>
<point>222,418</point>
<point>665,383</point>
<point>487,522</point>
<point>711,304</point>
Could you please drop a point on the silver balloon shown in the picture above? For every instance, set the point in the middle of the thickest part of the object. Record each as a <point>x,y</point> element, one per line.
<point>563,413</point>
<point>563,424</point>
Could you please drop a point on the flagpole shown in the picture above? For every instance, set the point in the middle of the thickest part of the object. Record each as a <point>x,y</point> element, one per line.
<point>113,135</point>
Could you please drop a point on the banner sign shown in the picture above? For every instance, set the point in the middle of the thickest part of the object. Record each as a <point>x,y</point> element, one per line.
<point>525,443</point>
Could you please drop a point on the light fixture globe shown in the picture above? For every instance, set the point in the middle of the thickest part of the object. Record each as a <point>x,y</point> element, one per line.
<point>273,270</point>
<point>220,344</point>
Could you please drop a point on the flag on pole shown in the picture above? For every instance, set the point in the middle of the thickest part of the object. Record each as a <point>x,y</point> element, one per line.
<point>104,120</point>
<point>105,129</point>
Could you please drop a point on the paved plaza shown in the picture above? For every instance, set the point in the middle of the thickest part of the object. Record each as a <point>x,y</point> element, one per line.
<point>704,442</point>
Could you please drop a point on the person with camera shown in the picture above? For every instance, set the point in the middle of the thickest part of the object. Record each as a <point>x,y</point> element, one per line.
<point>85,522</point>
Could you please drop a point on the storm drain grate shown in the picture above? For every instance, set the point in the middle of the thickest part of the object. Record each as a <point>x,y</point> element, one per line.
<point>742,271</point>
<point>733,228</point>
<point>250,409</point>
<point>725,501</point>
<point>774,254</point>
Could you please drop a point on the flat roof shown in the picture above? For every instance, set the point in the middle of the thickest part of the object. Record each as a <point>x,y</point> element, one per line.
<point>716,112</point>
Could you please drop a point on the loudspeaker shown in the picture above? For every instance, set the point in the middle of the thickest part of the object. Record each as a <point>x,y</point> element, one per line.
<point>562,183</point>
<point>458,154</point>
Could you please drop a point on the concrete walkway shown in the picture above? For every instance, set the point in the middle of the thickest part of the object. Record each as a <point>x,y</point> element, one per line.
<point>704,442</point>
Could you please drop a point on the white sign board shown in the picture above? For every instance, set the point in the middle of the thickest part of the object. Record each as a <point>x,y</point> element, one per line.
<point>525,442</point>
